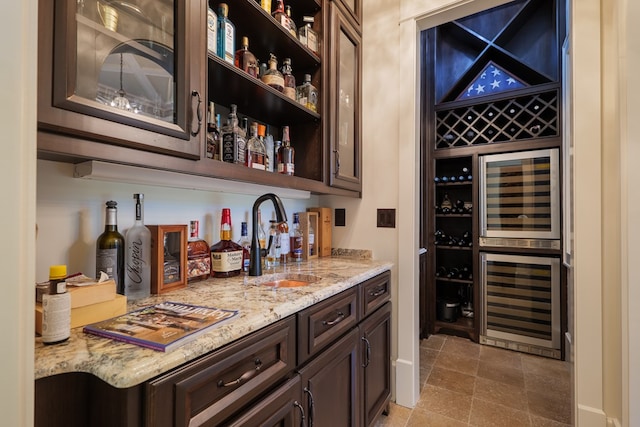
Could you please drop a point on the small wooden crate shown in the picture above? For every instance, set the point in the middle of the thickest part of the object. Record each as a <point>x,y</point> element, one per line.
<point>323,231</point>
<point>174,274</point>
<point>306,219</point>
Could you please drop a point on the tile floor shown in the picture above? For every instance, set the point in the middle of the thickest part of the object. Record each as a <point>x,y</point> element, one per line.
<point>468,384</point>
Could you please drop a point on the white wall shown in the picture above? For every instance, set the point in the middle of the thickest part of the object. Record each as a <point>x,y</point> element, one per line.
<point>71,211</point>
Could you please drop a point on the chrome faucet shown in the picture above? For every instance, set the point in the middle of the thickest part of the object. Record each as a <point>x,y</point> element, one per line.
<point>255,266</point>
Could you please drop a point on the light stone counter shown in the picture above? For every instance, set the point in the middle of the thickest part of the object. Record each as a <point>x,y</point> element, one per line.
<point>125,365</point>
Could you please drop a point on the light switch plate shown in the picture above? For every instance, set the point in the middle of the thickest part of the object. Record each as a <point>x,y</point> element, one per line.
<point>340,217</point>
<point>386,218</point>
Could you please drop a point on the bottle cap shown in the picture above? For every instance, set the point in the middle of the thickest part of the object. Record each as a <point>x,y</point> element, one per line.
<point>307,19</point>
<point>261,130</point>
<point>223,9</point>
<point>245,41</point>
<point>138,196</point>
<point>194,228</point>
<point>226,216</point>
<point>57,272</point>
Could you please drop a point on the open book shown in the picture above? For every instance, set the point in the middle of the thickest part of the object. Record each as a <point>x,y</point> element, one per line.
<point>162,326</point>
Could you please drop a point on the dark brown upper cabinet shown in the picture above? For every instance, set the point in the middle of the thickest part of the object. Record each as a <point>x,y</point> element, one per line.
<point>344,93</point>
<point>124,73</point>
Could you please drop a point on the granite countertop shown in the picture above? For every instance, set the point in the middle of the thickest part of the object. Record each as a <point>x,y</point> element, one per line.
<point>125,365</point>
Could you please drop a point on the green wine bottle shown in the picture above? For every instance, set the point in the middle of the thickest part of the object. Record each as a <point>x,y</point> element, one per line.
<point>110,249</point>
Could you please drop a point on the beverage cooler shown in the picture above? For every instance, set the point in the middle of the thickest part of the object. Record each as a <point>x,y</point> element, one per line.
<point>521,303</point>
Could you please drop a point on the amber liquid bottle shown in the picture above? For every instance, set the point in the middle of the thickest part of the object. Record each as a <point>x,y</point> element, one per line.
<point>198,255</point>
<point>226,255</point>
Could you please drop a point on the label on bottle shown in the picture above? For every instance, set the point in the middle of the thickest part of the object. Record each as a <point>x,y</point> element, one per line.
<point>312,41</point>
<point>296,248</point>
<point>107,261</point>
<point>285,243</point>
<point>226,262</point>
<point>229,42</point>
<point>229,145</point>
<point>273,80</point>
<point>212,31</point>
<point>286,168</point>
<point>56,317</point>
<point>290,92</point>
<point>137,280</point>
<point>312,241</point>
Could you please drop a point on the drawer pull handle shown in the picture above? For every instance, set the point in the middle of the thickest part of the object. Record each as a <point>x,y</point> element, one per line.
<point>338,319</point>
<point>299,406</point>
<point>378,292</point>
<point>244,377</point>
<point>195,93</point>
<point>311,406</point>
<point>368,359</point>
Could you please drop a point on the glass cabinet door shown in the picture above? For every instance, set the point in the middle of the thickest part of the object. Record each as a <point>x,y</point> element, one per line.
<point>127,65</point>
<point>345,95</point>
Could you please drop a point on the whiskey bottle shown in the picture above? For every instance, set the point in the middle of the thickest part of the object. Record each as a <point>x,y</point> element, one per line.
<point>286,154</point>
<point>226,255</point>
<point>137,279</point>
<point>243,136</point>
<point>289,80</point>
<point>233,143</point>
<point>292,26</point>
<point>212,31</point>
<point>285,243</point>
<point>226,34</point>
<point>272,77</point>
<point>296,239</point>
<point>198,255</point>
<point>280,15</point>
<point>245,60</point>
<point>307,35</point>
<point>246,247</point>
<point>256,152</point>
<point>273,248</point>
<point>307,94</point>
<point>213,133</point>
<point>110,249</point>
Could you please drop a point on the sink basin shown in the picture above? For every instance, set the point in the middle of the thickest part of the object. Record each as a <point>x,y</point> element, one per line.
<point>285,280</point>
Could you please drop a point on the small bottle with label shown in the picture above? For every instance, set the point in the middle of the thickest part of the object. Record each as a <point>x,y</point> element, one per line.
<point>272,77</point>
<point>198,255</point>
<point>307,94</point>
<point>226,35</point>
<point>110,248</point>
<point>246,247</point>
<point>273,248</point>
<point>296,239</point>
<point>285,243</point>
<point>137,279</point>
<point>307,35</point>
<point>312,240</point>
<point>56,307</point>
<point>289,79</point>
<point>286,154</point>
<point>226,255</point>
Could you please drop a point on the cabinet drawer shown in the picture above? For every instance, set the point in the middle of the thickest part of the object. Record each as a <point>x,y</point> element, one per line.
<point>323,323</point>
<point>374,293</point>
<point>212,389</point>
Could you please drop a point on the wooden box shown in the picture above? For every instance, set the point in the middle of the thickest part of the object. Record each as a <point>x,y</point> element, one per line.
<point>323,231</point>
<point>92,313</point>
<point>168,257</point>
<point>308,221</point>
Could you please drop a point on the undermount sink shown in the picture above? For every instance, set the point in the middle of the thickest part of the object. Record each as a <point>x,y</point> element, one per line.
<point>285,280</point>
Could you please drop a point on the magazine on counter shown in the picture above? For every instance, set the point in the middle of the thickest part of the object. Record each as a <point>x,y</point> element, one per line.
<point>162,326</point>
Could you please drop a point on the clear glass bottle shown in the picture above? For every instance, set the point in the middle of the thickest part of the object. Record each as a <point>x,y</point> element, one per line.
<point>307,94</point>
<point>243,136</point>
<point>289,80</point>
<point>272,76</point>
<point>296,239</point>
<point>212,31</point>
<point>198,255</point>
<point>137,279</point>
<point>245,60</point>
<point>233,142</point>
<point>292,25</point>
<point>285,243</point>
<point>226,255</point>
<point>269,147</point>
<point>226,34</point>
<point>246,247</point>
<point>273,249</point>
<point>213,133</point>
<point>262,239</point>
<point>110,248</point>
<point>286,154</point>
<point>312,240</point>
<point>56,308</point>
<point>308,36</point>
<point>256,152</point>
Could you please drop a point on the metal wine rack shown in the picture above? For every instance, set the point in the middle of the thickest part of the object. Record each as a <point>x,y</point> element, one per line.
<point>512,119</point>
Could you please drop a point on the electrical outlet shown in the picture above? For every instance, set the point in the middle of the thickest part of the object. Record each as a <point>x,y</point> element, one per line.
<point>340,217</point>
<point>386,218</point>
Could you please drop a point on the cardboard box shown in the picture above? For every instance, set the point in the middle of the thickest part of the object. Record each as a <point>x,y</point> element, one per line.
<point>323,231</point>
<point>87,314</point>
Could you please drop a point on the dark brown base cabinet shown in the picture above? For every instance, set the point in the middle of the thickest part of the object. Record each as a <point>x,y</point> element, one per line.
<point>341,379</point>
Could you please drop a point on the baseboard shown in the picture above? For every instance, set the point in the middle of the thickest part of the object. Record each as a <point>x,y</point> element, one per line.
<point>591,417</point>
<point>407,387</point>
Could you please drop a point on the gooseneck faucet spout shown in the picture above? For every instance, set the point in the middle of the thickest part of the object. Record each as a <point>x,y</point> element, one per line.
<point>255,266</point>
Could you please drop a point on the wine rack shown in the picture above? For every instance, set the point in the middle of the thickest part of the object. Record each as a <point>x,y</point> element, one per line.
<point>503,120</point>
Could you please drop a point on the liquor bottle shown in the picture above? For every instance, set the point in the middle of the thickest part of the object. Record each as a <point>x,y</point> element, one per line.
<point>441,271</point>
<point>56,307</point>
<point>233,143</point>
<point>453,273</point>
<point>286,154</point>
<point>312,239</point>
<point>212,31</point>
<point>285,243</point>
<point>110,248</point>
<point>273,249</point>
<point>243,136</point>
<point>198,255</point>
<point>296,239</point>
<point>262,237</point>
<point>245,60</point>
<point>280,15</point>
<point>245,243</point>
<point>266,5</point>
<point>256,151</point>
<point>307,94</point>
<point>307,35</point>
<point>226,34</point>
<point>446,205</point>
<point>213,133</point>
<point>272,77</point>
<point>226,255</point>
<point>267,140</point>
<point>467,173</point>
<point>137,280</point>
<point>289,80</point>
<point>292,26</point>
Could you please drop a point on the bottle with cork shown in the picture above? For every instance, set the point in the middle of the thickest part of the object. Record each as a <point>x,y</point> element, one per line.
<point>56,307</point>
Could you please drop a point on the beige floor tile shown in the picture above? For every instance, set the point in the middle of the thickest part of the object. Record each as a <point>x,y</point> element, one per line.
<point>434,342</point>
<point>500,356</point>
<point>461,346</point>
<point>545,366</point>
<point>457,362</point>
<point>537,421</point>
<point>557,386</point>
<point>421,418</point>
<point>445,402</point>
<point>501,373</point>
<point>428,356</point>
<point>488,414</point>
<point>547,405</point>
<point>397,417</point>
<point>425,371</point>
<point>503,394</point>
<point>452,380</point>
